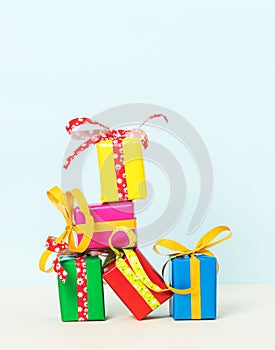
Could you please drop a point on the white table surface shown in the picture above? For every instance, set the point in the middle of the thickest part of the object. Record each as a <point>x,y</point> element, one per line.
<point>29,319</point>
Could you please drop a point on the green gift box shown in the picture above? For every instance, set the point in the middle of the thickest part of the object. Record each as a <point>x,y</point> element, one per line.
<point>81,296</point>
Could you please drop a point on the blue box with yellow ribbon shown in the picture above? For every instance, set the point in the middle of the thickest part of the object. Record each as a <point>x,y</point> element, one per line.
<point>184,306</point>
<point>193,275</point>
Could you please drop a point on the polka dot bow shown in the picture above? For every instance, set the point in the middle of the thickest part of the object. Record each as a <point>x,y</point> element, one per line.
<point>92,137</point>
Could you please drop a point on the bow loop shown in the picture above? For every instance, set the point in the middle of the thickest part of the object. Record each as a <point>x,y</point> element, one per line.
<point>59,200</point>
<point>129,233</point>
<point>74,123</point>
<point>65,203</point>
<point>178,248</point>
<point>92,137</point>
<point>206,239</point>
<point>201,247</point>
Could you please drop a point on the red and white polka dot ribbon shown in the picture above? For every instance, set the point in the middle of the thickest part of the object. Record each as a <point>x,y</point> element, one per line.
<point>116,136</point>
<point>94,136</point>
<point>82,293</point>
<point>52,246</point>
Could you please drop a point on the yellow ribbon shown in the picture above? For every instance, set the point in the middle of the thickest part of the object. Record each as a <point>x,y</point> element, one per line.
<point>202,247</point>
<point>135,273</point>
<point>102,226</point>
<point>64,202</point>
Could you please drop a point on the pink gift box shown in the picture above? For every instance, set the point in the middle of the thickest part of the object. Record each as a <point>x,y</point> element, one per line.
<point>111,215</point>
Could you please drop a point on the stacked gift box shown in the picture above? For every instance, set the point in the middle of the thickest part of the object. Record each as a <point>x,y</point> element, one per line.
<point>100,241</point>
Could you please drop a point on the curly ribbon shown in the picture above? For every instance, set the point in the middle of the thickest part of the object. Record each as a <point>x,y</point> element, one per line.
<point>64,203</point>
<point>135,273</point>
<point>202,247</point>
<point>93,137</point>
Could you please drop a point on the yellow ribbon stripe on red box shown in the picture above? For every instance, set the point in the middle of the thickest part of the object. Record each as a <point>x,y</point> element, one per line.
<point>135,273</point>
<point>202,247</point>
<point>64,202</point>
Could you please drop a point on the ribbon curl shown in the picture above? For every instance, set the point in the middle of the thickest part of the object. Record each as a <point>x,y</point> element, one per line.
<point>64,202</point>
<point>94,136</point>
<point>202,247</point>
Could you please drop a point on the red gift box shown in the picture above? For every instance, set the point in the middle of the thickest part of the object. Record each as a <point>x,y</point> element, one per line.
<point>138,297</point>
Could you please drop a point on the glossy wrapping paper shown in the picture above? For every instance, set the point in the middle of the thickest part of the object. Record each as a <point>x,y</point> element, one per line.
<point>193,275</point>
<point>138,300</point>
<point>180,305</point>
<point>81,297</point>
<point>121,170</point>
<point>112,215</point>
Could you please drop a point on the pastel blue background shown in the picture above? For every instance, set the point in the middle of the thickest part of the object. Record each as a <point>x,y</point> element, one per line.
<point>210,61</point>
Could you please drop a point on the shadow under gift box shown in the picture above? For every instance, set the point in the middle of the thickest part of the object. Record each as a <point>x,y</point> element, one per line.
<point>180,305</point>
<point>68,293</point>
<point>128,294</point>
<point>134,170</point>
<point>116,214</point>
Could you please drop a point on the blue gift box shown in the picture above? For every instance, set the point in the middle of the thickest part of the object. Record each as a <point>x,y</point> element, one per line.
<point>180,305</point>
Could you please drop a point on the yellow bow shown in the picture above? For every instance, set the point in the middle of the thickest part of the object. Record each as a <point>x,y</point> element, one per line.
<point>131,237</point>
<point>64,202</point>
<point>202,247</point>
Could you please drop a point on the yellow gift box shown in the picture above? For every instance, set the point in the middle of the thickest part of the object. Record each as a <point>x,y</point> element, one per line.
<point>119,157</point>
<point>134,170</point>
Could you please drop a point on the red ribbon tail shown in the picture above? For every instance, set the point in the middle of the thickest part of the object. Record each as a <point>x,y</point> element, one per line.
<point>54,247</point>
<point>78,150</point>
<point>60,271</point>
<point>157,115</point>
